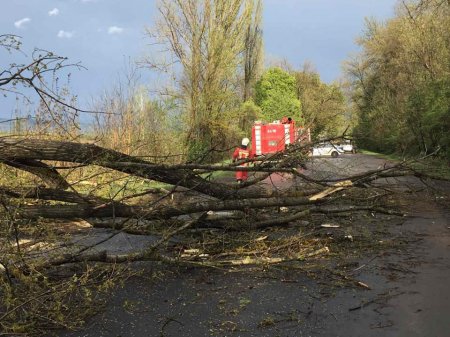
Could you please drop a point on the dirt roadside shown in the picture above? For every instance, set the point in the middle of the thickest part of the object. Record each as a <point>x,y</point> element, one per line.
<point>409,293</point>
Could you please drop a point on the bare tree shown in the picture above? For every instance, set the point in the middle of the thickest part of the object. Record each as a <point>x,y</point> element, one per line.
<point>34,75</point>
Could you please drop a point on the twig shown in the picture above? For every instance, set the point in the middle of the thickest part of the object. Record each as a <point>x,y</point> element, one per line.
<point>167,321</point>
<point>362,305</point>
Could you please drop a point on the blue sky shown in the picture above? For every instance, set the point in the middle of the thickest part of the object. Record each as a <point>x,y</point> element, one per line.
<point>104,34</point>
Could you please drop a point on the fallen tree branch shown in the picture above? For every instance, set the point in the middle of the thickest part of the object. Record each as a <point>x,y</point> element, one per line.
<point>14,149</point>
<point>339,186</point>
<point>44,193</point>
<point>267,260</point>
<point>48,174</point>
<point>280,220</point>
<point>162,212</point>
<point>102,256</point>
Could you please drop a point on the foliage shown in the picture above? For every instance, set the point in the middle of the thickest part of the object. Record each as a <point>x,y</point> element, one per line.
<point>33,303</point>
<point>211,43</point>
<point>36,298</point>
<point>275,94</point>
<point>253,47</point>
<point>323,105</point>
<point>430,108</point>
<point>400,80</point>
<point>135,124</point>
<point>248,113</point>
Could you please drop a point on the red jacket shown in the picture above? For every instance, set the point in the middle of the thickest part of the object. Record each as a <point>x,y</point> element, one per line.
<point>240,153</point>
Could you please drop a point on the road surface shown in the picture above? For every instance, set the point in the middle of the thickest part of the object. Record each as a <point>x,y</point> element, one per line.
<point>409,286</point>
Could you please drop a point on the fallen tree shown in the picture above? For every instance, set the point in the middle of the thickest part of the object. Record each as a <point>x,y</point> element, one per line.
<point>39,157</point>
<point>191,200</point>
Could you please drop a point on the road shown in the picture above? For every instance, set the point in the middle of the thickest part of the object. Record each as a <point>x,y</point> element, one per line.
<point>409,286</point>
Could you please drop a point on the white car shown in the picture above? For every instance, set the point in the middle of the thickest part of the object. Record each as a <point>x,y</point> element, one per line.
<point>348,147</point>
<point>326,149</point>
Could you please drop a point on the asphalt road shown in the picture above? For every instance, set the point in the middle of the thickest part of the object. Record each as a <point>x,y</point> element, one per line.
<point>409,288</point>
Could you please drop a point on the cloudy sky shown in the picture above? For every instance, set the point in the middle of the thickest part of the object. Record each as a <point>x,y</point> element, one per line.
<point>104,34</point>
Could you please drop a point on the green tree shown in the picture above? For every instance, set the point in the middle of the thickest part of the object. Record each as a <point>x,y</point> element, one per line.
<point>400,79</point>
<point>430,111</point>
<point>275,94</point>
<point>323,105</point>
<point>211,42</point>
<point>253,47</point>
<point>248,113</point>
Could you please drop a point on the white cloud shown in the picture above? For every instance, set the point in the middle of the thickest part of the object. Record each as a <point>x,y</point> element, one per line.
<point>115,30</point>
<point>53,12</point>
<point>22,22</point>
<point>65,35</point>
<point>85,1</point>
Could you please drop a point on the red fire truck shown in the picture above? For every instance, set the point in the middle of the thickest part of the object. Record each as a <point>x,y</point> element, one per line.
<point>274,137</point>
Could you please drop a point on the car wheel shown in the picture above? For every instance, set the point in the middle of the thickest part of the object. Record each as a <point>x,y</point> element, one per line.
<point>334,154</point>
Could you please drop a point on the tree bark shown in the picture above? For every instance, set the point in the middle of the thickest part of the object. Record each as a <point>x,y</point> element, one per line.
<point>47,173</point>
<point>19,149</point>
<point>120,210</point>
<point>53,194</point>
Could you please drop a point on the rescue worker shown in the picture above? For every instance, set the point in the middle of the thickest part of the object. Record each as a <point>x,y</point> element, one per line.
<point>242,152</point>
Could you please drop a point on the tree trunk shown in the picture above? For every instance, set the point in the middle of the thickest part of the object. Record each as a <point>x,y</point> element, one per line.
<point>120,210</point>
<point>18,149</point>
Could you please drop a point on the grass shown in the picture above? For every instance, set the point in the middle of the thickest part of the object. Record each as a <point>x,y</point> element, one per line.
<point>382,155</point>
<point>219,174</point>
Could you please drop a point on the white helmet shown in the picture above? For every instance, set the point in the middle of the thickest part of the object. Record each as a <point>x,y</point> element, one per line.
<point>245,141</point>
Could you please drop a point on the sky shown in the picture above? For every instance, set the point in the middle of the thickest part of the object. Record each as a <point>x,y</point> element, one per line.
<point>104,35</point>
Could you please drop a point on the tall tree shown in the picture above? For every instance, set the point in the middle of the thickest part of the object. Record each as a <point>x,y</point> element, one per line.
<point>407,53</point>
<point>207,39</point>
<point>253,47</point>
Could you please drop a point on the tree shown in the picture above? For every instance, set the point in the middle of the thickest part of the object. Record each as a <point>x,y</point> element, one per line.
<point>27,274</point>
<point>253,47</point>
<point>323,105</point>
<point>276,95</point>
<point>207,40</point>
<point>430,108</point>
<point>248,113</point>
<point>20,286</point>
<point>38,293</point>
<point>408,52</point>
<point>36,75</point>
<point>136,123</point>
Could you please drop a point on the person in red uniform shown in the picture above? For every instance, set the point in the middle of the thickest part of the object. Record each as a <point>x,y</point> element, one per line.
<point>242,152</point>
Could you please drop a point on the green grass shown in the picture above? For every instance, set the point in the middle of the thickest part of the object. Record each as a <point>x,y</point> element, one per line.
<point>392,156</point>
<point>219,174</point>
<point>435,167</point>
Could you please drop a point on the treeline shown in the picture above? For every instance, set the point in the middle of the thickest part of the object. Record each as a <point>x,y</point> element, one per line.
<point>401,80</point>
<point>212,53</point>
<point>209,60</point>
<point>214,86</point>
